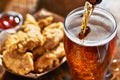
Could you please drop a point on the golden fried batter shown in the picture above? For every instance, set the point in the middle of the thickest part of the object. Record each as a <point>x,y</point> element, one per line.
<point>59,51</point>
<point>30,20</point>
<point>37,46</point>
<point>25,40</point>
<point>45,22</point>
<point>31,28</point>
<point>21,42</point>
<point>17,45</point>
<point>37,52</point>
<point>50,59</point>
<point>18,63</point>
<point>35,34</point>
<point>53,35</point>
<point>46,62</point>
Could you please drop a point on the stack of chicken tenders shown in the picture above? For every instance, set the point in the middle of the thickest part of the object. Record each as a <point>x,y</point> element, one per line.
<point>36,47</point>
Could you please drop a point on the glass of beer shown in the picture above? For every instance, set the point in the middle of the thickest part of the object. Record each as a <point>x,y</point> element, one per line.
<point>90,58</point>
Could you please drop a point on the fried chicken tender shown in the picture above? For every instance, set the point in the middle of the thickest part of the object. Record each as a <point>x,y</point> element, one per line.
<point>31,28</point>
<point>35,34</point>
<point>46,62</point>
<point>18,63</point>
<point>53,35</point>
<point>50,59</point>
<point>20,42</point>
<point>59,51</point>
<point>15,55</point>
<point>30,20</point>
<point>27,39</point>
<point>12,42</point>
<point>27,44</point>
<point>45,22</point>
<point>43,40</point>
<point>38,51</point>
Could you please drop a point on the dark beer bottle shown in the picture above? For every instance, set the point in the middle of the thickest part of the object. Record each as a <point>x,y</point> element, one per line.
<point>94,2</point>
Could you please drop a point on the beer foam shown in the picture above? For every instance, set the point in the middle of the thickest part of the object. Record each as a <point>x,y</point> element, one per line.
<point>102,25</point>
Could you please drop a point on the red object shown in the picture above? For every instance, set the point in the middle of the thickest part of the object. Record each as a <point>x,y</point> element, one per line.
<point>9,21</point>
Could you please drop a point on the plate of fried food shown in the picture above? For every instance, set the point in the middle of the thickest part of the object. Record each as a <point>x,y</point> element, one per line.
<point>36,48</point>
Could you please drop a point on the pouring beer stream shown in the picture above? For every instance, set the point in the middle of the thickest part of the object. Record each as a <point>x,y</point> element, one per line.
<point>88,9</point>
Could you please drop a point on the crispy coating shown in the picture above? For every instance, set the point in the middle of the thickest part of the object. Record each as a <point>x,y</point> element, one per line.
<point>59,51</point>
<point>46,62</point>
<point>31,28</point>
<point>18,63</point>
<point>17,45</point>
<point>30,20</point>
<point>53,35</point>
<point>37,46</point>
<point>27,39</point>
<point>50,59</point>
<point>45,22</point>
<point>21,42</point>
<point>35,34</point>
<point>37,52</point>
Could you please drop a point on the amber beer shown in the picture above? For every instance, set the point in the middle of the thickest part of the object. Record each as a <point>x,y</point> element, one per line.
<point>89,58</point>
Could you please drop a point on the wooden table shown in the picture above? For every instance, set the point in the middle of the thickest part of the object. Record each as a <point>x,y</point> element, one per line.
<point>61,73</point>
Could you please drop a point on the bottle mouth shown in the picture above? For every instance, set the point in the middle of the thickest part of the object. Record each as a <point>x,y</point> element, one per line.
<point>98,17</point>
<point>94,2</point>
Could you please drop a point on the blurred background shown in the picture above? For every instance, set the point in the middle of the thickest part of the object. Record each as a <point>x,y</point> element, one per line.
<point>61,7</point>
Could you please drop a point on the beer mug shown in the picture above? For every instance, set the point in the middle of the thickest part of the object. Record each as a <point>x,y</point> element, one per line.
<point>90,58</point>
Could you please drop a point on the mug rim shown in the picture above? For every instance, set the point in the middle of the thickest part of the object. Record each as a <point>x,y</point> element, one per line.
<point>91,43</point>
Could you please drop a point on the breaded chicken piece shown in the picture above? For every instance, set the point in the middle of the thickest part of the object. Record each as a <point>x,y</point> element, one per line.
<point>45,22</point>
<point>58,25</point>
<point>21,42</point>
<point>31,28</point>
<point>18,63</point>
<point>35,34</point>
<point>26,42</point>
<point>27,39</point>
<point>38,51</point>
<point>30,20</point>
<point>50,59</point>
<point>42,39</point>
<point>59,51</point>
<point>11,40</point>
<point>53,35</point>
<point>46,62</point>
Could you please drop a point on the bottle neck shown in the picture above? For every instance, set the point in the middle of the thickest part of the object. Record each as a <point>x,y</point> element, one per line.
<point>94,2</point>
